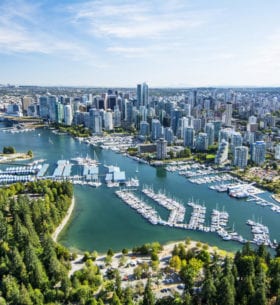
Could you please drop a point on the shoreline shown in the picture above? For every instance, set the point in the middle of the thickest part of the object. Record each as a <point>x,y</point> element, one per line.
<point>64,221</point>
<point>277,199</point>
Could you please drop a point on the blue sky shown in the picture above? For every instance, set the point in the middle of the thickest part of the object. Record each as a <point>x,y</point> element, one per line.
<point>121,43</point>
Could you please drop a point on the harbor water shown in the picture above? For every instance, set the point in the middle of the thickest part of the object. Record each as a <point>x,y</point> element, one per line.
<point>101,220</point>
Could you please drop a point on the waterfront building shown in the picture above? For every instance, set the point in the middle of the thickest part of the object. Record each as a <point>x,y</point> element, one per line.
<point>68,117</point>
<point>258,150</point>
<point>161,149</point>
<point>95,120</point>
<point>147,148</point>
<point>117,117</point>
<point>108,120</point>
<point>209,129</point>
<point>32,110</point>
<point>44,107</point>
<point>240,156</point>
<point>222,153</point>
<point>277,152</point>
<point>202,141</point>
<point>52,100</point>
<point>26,102</point>
<point>59,112</point>
<point>189,137</point>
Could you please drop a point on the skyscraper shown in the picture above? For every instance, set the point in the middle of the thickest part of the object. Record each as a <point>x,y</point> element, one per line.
<point>156,129</point>
<point>161,149</point>
<point>44,107</point>
<point>68,117</point>
<point>258,151</point>
<point>240,156</point>
<point>277,152</point>
<point>189,137</point>
<point>144,129</point>
<point>142,94</point>
<point>209,129</point>
<point>222,153</point>
<point>228,114</point>
<point>202,141</point>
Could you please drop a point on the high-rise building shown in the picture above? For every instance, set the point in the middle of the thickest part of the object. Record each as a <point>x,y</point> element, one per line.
<point>240,156</point>
<point>228,114</point>
<point>258,151</point>
<point>197,125</point>
<point>156,129</point>
<point>142,94</point>
<point>95,120</point>
<point>44,107</point>
<point>236,140</point>
<point>68,117</point>
<point>111,101</point>
<point>108,120</point>
<point>117,116</point>
<point>225,134</point>
<point>161,149</point>
<point>202,141</point>
<point>189,137</point>
<point>222,153</point>
<point>144,129</point>
<point>277,152</point>
<point>209,129</point>
<point>26,102</point>
<point>169,135</point>
<point>217,128</point>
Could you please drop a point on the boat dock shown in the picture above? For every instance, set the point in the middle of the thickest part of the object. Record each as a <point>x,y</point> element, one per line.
<point>140,206</point>
<point>260,233</point>
<point>177,210</point>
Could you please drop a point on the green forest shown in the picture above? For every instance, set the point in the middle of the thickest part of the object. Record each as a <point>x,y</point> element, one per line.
<point>35,270</point>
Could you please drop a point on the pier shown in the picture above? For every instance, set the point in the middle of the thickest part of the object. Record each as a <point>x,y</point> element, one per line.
<point>177,210</point>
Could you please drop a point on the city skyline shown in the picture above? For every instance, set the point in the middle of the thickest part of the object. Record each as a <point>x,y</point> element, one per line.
<point>121,43</point>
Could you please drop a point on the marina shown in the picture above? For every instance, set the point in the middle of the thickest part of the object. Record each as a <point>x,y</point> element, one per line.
<point>100,221</point>
<point>177,210</point>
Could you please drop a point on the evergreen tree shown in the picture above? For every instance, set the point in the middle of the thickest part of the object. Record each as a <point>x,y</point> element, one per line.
<point>226,292</point>
<point>148,297</point>
<point>209,290</point>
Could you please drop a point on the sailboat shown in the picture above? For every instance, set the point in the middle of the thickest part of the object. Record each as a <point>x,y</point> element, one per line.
<point>137,170</point>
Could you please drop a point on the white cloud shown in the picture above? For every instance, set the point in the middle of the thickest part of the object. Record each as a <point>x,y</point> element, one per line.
<point>21,31</point>
<point>145,19</point>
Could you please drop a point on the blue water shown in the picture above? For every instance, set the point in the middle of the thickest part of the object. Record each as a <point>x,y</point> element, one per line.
<point>101,220</point>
